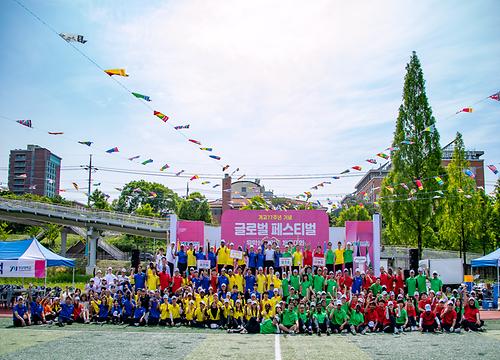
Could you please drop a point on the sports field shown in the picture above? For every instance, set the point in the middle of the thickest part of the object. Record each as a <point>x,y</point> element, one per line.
<point>109,341</point>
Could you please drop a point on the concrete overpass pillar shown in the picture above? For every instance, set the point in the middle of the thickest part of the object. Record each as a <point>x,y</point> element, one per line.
<point>92,236</point>
<point>64,238</point>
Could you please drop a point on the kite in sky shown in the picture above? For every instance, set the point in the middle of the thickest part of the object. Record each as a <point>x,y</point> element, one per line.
<point>224,168</point>
<point>383,156</point>
<point>73,38</point>
<point>419,184</point>
<point>214,157</point>
<point>75,185</point>
<point>466,110</point>
<point>495,96</point>
<point>148,161</point>
<point>140,96</point>
<point>162,116</point>
<point>407,142</point>
<point>195,141</point>
<point>241,177</point>
<point>205,182</point>
<point>308,194</point>
<point>216,185</point>
<point>357,168</point>
<point>194,177</point>
<point>119,72</point>
<point>112,150</point>
<point>439,180</point>
<point>179,173</point>
<point>206,149</point>
<point>134,157</point>
<point>345,171</point>
<point>493,168</point>
<point>336,177</point>
<point>371,161</point>
<point>88,143</point>
<point>235,171</point>
<point>164,167</point>
<point>469,173</point>
<point>55,132</point>
<point>97,184</point>
<point>26,123</point>
<point>431,128</point>
<point>179,127</point>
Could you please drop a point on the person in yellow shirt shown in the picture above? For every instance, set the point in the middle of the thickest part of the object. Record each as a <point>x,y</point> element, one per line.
<point>339,257</point>
<point>267,311</point>
<point>238,279</point>
<point>174,310</point>
<point>222,256</point>
<point>213,315</point>
<point>152,280</point>
<point>189,311</point>
<point>276,299</point>
<point>271,277</point>
<point>277,281</point>
<point>164,312</point>
<point>261,281</point>
<point>191,255</point>
<point>238,315</point>
<point>227,314</point>
<point>200,315</point>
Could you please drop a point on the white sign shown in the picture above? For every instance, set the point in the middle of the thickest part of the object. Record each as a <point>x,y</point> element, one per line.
<point>360,259</point>
<point>318,261</point>
<point>203,264</point>
<point>286,261</point>
<point>236,254</point>
<point>22,268</point>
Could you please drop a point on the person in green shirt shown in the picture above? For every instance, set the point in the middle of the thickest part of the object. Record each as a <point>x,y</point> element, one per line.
<point>357,320</point>
<point>318,281</point>
<point>331,285</point>
<point>329,257</point>
<point>305,286</point>
<point>376,288</point>
<point>289,320</point>
<point>411,284</point>
<point>338,318</point>
<point>401,317</point>
<point>285,287</point>
<point>295,280</point>
<point>321,322</point>
<point>348,257</point>
<point>305,325</point>
<point>436,283</point>
<point>293,296</point>
<point>421,281</point>
<point>269,326</point>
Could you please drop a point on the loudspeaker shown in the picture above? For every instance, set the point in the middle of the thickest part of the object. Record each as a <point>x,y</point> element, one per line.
<point>413,254</point>
<point>136,259</point>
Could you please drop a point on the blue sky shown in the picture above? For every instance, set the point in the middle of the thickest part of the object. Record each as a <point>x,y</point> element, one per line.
<point>275,87</point>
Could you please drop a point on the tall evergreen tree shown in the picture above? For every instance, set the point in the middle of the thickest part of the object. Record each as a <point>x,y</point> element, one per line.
<point>495,216</point>
<point>408,215</point>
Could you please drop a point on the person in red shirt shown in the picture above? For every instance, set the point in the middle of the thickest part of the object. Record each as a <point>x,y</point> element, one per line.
<point>381,320</point>
<point>449,318</point>
<point>439,307</point>
<point>422,302</point>
<point>389,318</point>
<point>471,320</point>
<point>347,281</point>
<point>308,258</point>
<point>371,317</point>
<point>384,278</point>
<point>213,279</point>
<point>368,280</point>
<point>412,314</point>
<point>399,281</point>
<point>165,280</point>
<point>176,281</point>
<point>429,322</point>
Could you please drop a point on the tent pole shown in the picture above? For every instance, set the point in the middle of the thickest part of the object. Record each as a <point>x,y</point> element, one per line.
<point>498,285</point>
<point>45,286</point>
<point>73,276</point>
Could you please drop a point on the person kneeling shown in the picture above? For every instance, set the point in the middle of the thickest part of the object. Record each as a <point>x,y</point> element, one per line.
<point>429,322</point>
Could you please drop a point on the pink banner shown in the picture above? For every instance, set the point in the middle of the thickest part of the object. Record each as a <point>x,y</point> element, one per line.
<point>252,227</point>
<point>360,235</point>
<point>191,232</point>
<point>39,268</point>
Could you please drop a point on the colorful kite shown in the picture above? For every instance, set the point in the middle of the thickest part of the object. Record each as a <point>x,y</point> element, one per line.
<point>469,173</point>
<point>164,167</point>
<point>224,168</point>
<point>495,96</point>
<point>419,184</point>
<point>55,132</point>
<point>148,161</point>
<point>493,168</point>
<point>241,177</point>
<point>206,149</point>
<point>112,150</point>
<point>97,184</point>
<point>195,141</point>
<point>371,161</point>
<point>205,182</point>
<point>383,156</point>
<point>404,186</point>
<point>134,157</point>
<point>214,157</point>
<point>75,185</point>
<point>179,127</point>
<point>431,128</point>
<point>308,194</point>
<point>466,110</point>
<point>119,72</point>
<point>407,142</point>
<point>345,172</point>
<point>216,185</point>
<point>179,173</point>
<point>315,187</point>
<point>140,96</point>
<point>194,177</point>
<point>359,168</point>
<point>88,143</point>
<point>73,38</point>
<point>162,116</point>
<point>152,194</point>
<point>439,180</point>
<point>26,123</point>
<point>336,177</point>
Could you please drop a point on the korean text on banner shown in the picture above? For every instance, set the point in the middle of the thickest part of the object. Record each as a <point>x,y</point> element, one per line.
<point>22,268</point>
<point>286,261</point>
<point>236,254</point>
<point>318,261</point>
<point>203,264</point>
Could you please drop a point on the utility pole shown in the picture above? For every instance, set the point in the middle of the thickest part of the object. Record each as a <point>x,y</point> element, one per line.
<point>90,169</point>
<point>187,189</point>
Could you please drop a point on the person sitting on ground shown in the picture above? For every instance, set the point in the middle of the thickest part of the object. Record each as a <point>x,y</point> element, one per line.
<point>66,314</point>
<point>429,322</point>
<point>21,316</point>
<point>471,318</point>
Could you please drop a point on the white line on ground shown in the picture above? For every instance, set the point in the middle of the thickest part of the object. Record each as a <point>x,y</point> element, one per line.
<point>277,348</point>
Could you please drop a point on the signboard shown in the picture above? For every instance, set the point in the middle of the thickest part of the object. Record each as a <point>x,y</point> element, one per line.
<point>203,264</point>
<point>361,235</point>
<point>22,268</point>
<point>236,254</point>
<point>285,261</point>
<point>191,232</point>
<point>318,261</point>
<point>252,227</point>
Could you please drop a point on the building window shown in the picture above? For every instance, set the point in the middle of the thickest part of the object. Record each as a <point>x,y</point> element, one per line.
<point>244,189</point>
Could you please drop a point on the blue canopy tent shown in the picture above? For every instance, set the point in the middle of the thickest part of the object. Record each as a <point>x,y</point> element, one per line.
<point>492,259</point>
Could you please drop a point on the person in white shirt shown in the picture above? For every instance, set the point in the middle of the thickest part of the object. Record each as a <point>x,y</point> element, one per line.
<point>268,256</point>
<point>110,277</point>
<point>97,279</point>
<point>171,257</point>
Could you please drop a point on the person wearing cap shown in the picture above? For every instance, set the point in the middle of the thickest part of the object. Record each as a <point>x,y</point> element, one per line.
<point>357,282</point>
<point>329,257</point>
<point>252,259</point>
<point>421,281</point>
<point>449,318</point>
<point>297,259</point>
<point>436,282</point>
<point>390,318</point>
<point>222,256</point>
<point>164,279</point>
<point>305,323</point>
<point>411,312</point>
<point>268,256</point>
<point>191,255</point>
<point>411,284</point>
<point>250,281</point>
<point>401,317</point>
<point>429,322</point>
<point>139,318</point>
<point>170,256</point>
<point>110,277</point>
<point>471,318</point>
<point>66,313</point>
<point>182,260</point>
<point>139,279</point>
<point>348,257</point>
<point>152,279</point>
<point>376,288</point>
<point>338,318</point>
<point>347,282</point>
<point>200,315</point>
<point>318,282</point>
<point>177,281</point>
<point>321,322</point>
<point>20,313</point>
<point>357,320</point>
<point>339,257</point>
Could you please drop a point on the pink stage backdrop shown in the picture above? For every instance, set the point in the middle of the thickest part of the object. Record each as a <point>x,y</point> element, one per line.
<point>360,234</point>
<point>191,232</point>
<point>252,227</point>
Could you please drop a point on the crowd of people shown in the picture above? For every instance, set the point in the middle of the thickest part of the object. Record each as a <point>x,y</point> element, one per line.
<point>255,294</point>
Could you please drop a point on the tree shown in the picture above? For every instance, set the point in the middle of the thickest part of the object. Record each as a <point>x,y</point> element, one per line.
<point>51,233</point>
<point>418,158</point>
<point>137,193</point>
<point>4,231</point>
<point>256,203</point>
<point>195,207</point>
<point>495,216</point>
<point>353,213</point>
<point>99,200</point>
<point>484,224</point>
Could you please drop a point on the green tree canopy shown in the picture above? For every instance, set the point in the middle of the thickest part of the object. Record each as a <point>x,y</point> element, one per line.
<point>99,200</point>
<point>352,213</point>
<point>137,193</point>
<point>195,207</point>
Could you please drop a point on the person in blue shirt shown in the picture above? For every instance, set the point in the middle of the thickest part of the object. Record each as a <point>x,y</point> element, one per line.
<point>36,309</point>
<point>277,256</point>
<point>66,313</point>
<point>357,282</point>
<point>182,260</point>
<point>260,258</point>
<point>139,315</point>
<point>140,279</point>
<point>252,259</point>
<point>212,257</point>
<point>249,281</point>
<point>223,279</point>
<point>103,310</point>
<point>154,311</point>
<point>196,280</point>
<point>205,280</point>
<point>200,255</point>
<point>116,312</point>
<point>20,313</point>
<point>128,307</point>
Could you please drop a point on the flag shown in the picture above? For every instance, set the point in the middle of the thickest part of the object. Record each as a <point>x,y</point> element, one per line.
<point>383,156</point>
<point>214,157</point>
<point>97,184</point>
<point>241,177</point>
<point>119,72</point>
<point>148,161</point>
<point>336,177</point>
<point>419,184</point>
<point>140,96</point>
<point>73,37</point>
<point>26,123</point>
<point>467,110</point>
<point>216,185</point>
<point>225,168</point>
<point>112,150</point>
<point>194,177</point>
<point>134,157</point>
<point>195,141</point>
<point>179,127</point>
<point>308,194</point>
<point>162,116</point>
<point>357,168</point>
<point>180,172</point>
<point>493,168</point>
<point>407,142</point>
<point>404,186</point>
<point>345,171</point>
<point>88,143</point>
<point>438,180</point>
<point>75,185</point>
<point>431,128</point>
<point>206,148</point>
<point>55,132</point>
<point>495,96</point>
<point>469,173</point>
<point>153,194</point>
<point>371,161</point>
<point>315,187</point>
<point>164,167</point>
<point>205,182</point>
